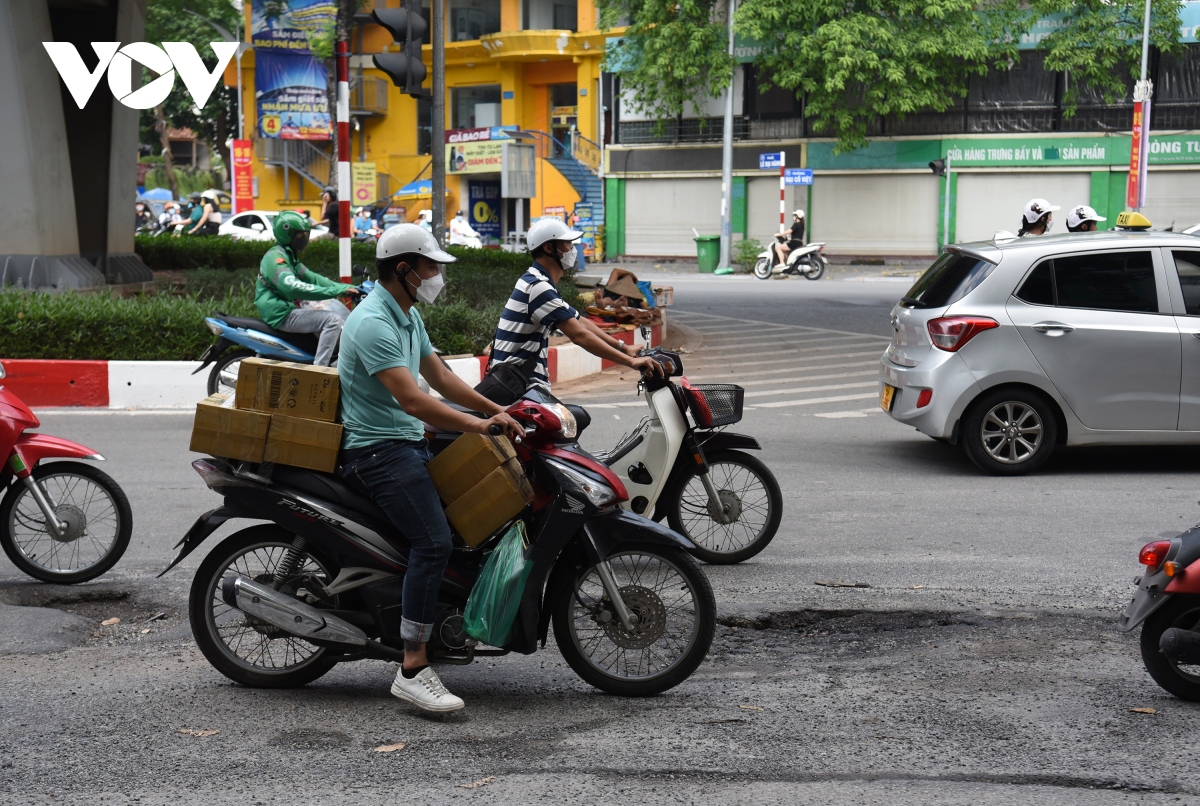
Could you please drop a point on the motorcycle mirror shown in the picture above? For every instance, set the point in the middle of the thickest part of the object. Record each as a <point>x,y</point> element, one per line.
<point>358,270</point>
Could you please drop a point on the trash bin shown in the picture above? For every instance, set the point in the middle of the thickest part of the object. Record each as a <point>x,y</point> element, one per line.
<point>708,252</point>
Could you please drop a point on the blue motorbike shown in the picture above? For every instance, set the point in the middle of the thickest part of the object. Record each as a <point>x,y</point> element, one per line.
<point>242,337</point>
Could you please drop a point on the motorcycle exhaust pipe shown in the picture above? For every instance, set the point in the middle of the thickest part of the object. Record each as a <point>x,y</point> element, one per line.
<point>1181,646</point>
<point>288,614</point>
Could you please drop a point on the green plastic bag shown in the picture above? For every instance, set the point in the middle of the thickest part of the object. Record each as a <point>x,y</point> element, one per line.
<point>493,603</point>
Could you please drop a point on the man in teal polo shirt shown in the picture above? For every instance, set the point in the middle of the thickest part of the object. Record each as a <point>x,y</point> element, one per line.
<point>384,347</point>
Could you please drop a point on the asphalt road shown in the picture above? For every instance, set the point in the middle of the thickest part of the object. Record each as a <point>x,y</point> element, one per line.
<point>981,665</point>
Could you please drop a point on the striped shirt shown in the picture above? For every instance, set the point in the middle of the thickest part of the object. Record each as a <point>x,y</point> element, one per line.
<point>532,313</point>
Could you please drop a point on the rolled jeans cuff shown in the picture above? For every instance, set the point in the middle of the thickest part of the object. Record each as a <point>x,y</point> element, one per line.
<point>415,631</point>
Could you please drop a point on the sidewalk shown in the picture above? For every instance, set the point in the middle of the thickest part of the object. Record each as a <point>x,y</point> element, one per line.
<point>841,269</point>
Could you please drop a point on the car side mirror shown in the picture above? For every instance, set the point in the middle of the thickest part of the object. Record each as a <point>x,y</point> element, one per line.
<point>258,227</point>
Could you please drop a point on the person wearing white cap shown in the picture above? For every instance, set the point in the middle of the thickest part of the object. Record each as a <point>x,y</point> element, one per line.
<point>1083,219</point>
<point>1037,218</point>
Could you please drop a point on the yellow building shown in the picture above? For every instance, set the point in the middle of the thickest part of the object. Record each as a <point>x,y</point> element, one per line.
<point>529,64</point>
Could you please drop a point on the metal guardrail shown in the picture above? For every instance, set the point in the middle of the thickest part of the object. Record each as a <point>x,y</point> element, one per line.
<point>368,95</point>
<point>586,152</point>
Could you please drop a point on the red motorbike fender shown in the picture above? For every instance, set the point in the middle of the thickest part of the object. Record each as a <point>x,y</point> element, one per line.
<point>33,448</point>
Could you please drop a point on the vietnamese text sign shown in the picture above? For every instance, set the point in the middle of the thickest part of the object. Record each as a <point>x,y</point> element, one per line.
<point>292,104</point>
<point>474,157</point>
<point>362,182</point>
<point>798,176</point>
<point>768,161</point>
<point>290,25</point>
<point>243,176</point>
<point>1135,186</point>
<point>484,211</point>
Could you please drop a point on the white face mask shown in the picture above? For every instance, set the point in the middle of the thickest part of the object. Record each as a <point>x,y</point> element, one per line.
<point>568,259</point>
<point>429,288</point>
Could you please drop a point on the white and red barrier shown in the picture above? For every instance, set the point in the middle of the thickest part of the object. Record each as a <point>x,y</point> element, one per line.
<point>171,384</point>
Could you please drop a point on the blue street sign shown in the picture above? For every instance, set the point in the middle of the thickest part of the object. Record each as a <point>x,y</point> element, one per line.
<point>798,176</point>
<point>768,161</point>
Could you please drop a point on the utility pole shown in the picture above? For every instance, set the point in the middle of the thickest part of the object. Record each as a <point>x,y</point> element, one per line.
<point>727,161</point>
<point>437,8</point>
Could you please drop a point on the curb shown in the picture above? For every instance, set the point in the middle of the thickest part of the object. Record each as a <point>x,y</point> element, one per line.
<point>171,384</point>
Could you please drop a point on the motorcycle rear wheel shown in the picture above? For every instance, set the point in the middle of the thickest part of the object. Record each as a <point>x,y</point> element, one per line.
<point>677,616</point>
<point>815,270</point>
<point>250,653</point>
<point>1179,679</point>
<point>223,377</point>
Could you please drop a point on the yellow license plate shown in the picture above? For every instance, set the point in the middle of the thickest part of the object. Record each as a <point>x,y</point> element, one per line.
<point>886,396</point>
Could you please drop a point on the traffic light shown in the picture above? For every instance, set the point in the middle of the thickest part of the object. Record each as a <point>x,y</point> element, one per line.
<point>938,167</point>
<point>406,69</point>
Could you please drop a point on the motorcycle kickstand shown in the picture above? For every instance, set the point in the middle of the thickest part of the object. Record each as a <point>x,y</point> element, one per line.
<point>628,620</point>
<point>56,527</point>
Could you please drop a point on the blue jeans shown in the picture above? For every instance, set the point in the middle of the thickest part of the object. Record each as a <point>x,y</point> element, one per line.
<point>393,475</point>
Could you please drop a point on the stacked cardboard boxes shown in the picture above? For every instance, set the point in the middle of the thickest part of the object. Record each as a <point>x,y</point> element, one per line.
<point>280,412</point>
<point>481,483</point>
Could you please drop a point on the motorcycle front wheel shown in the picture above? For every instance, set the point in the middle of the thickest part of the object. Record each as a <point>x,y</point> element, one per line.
<point>95,510</point>
<point>675,614</point>
<point>223,377</point>
<point>749,494</point>
<point>762,269</point>
<point>245,649</point>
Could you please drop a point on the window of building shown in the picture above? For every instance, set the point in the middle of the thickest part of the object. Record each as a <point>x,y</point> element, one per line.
<point>1118,281</point>
<point>765,101</point>
<point>424,126</point>
<point>475,107</point>
<point>472,19</point>
<point>541,15</point>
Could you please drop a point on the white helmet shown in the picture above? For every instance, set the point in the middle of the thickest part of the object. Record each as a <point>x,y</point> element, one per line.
<point>1080,214</point>
<point>403,239</point>
<point>1036,208</point>
<point>549,229</point>
<point>799,214</point>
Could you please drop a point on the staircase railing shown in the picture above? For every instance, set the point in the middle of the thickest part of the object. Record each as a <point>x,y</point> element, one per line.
<point>548,146</point>
<point>585,151</point>
<point>307,160</point>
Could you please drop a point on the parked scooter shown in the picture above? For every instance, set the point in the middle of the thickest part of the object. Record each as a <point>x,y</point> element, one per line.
<point>691,471</point>
<point>807,261</point>
<point>60,522</point>
<point>253,337</point>
<point>280,604</point>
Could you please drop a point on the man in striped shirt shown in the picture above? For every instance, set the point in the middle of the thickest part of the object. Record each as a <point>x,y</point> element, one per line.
<point>536,309</point>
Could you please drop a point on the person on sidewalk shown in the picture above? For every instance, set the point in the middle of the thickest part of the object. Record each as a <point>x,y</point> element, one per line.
<point>536,309</point>
<point>1037,218</point>
<point>291,297</point>
<point>1083,219</point>
<point>384,453</point>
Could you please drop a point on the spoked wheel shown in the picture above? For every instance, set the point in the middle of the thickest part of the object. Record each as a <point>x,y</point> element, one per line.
<point>245,649</point>
<point>750,512</point>
<point>97,517</point>
<point>1182,680</point>
<point>762,269</point>
<point>674,614</point>
<point>1009,432</point>
<point>223,377</point>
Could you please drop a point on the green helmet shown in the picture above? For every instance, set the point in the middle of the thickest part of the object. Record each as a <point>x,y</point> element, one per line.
<point>287,224</point>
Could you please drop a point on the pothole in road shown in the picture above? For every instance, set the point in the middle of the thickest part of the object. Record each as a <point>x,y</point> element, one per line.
<point>849,621</point>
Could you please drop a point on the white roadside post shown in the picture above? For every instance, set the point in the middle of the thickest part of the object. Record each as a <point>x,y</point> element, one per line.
<point>343,152</point>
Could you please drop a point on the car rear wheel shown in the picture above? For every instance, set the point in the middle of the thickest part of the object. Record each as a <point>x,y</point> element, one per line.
<point>1009,432</point>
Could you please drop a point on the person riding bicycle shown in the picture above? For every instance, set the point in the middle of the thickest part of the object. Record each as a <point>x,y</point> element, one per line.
<point>291,297</point>
<point>384,452</point>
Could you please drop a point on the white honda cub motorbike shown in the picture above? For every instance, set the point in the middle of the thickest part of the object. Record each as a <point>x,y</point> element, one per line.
<point>807,261</point>
<point>680,464</point>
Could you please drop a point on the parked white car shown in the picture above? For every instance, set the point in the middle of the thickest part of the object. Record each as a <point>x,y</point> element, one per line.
<point>255,225</point>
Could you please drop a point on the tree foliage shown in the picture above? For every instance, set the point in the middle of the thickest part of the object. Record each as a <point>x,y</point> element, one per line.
<point>674,55</point>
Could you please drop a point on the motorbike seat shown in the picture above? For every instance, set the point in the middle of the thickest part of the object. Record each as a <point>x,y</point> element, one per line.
<point>301,341</point>
<point>329,488</point>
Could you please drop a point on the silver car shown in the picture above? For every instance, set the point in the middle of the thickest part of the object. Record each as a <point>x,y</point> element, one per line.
<point>1014,347</point>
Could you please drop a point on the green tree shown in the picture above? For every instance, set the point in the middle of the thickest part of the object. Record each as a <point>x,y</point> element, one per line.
<point>673,55</point>
<point>170,21</point>
<point>1099,44</point>
<point>855,61</point>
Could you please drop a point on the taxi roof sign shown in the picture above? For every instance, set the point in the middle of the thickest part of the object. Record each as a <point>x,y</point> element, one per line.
<point>1133,221</point>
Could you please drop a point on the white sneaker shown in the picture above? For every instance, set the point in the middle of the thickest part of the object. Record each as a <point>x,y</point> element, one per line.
<point>425,691</point>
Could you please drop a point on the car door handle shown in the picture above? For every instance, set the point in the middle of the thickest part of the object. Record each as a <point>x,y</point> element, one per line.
<point>1052,328</point>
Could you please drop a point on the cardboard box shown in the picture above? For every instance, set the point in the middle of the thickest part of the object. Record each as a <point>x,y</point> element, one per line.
<point>297,390</point>
<point>466,462</point>
<point>221,430</point>
<point>487,506</point>
<point>303,443</point>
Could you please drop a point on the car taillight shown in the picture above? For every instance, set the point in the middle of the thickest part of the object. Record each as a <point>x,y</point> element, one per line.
<point>924,398</point>
<point>1153,554</point>
<point>950,333</point>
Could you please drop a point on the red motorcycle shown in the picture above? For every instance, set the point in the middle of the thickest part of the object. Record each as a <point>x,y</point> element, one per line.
<point>61,522</point>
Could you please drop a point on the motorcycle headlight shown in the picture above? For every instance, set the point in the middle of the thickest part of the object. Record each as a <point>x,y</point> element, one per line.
<point>569,428</point>
<point>599,493</point>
